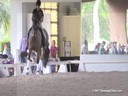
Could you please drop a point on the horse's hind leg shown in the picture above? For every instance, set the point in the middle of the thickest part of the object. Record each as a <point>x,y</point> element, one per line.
<point>38,56</point>
<point>38,60</point>
<point>46,56</point>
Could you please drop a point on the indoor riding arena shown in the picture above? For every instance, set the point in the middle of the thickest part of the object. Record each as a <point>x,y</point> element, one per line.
<point>64,48</point>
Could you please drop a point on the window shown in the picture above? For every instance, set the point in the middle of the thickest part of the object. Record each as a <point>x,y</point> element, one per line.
<point>52,9</point>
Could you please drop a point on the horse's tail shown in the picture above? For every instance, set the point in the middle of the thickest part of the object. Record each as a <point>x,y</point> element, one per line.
<point>46,56</point>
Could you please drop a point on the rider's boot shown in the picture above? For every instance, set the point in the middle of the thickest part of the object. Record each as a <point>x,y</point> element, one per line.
<point>28,38</point>
<point>43,38</point>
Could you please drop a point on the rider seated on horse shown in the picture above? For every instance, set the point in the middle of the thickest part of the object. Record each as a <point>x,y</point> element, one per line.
<point>37,19</point>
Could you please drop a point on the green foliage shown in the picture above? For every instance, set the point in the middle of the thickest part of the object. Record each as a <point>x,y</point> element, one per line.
<point>104,20</point>
<point>2,45</point>
<point>4,22</point>
<point>87,20</point>
<point>4,15</point>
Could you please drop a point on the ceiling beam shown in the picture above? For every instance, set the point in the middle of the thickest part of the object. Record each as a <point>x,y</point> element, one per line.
<point>87,0</point>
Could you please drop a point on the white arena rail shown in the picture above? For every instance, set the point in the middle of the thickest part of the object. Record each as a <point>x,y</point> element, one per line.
<point>63,64</point>
<point>103,62</point>
<point>88,62</point>
<point>17,66</point>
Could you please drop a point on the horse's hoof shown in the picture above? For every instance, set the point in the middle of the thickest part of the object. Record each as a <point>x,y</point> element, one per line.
<point>37,73</point>
<point>27,73</point>
<point>27,68</point>
<point>41,72</point>
<point>30,60</point>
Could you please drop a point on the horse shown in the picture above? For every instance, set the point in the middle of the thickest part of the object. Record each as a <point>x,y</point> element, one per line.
<point>35,43</point>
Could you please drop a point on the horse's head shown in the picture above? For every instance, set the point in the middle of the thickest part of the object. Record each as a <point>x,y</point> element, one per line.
<point>36,23</point>
<point>35,27</point>
<point>36,19</point>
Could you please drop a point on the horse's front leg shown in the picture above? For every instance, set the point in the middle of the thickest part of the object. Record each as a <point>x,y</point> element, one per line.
<point>39,62</point>
<point>29,54</point>
<point>28,62</point>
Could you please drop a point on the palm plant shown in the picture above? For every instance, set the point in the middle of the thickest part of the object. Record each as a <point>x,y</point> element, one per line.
<point>4,21</point>
<point>4,15</point>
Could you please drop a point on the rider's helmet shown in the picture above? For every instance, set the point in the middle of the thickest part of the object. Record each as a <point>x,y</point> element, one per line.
<point>38,2</point>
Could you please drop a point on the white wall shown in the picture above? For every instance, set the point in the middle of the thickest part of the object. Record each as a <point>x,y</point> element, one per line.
<point>64,7</point>
<point>16,24</point>
<point>71,31</point>
<point>27,8</point>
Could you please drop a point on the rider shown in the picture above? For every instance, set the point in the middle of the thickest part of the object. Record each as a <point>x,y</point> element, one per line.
<point>38,15</point>
<point>37,12</point>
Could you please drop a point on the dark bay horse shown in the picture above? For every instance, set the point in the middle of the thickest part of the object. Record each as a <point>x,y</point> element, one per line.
<point>35,43</point>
